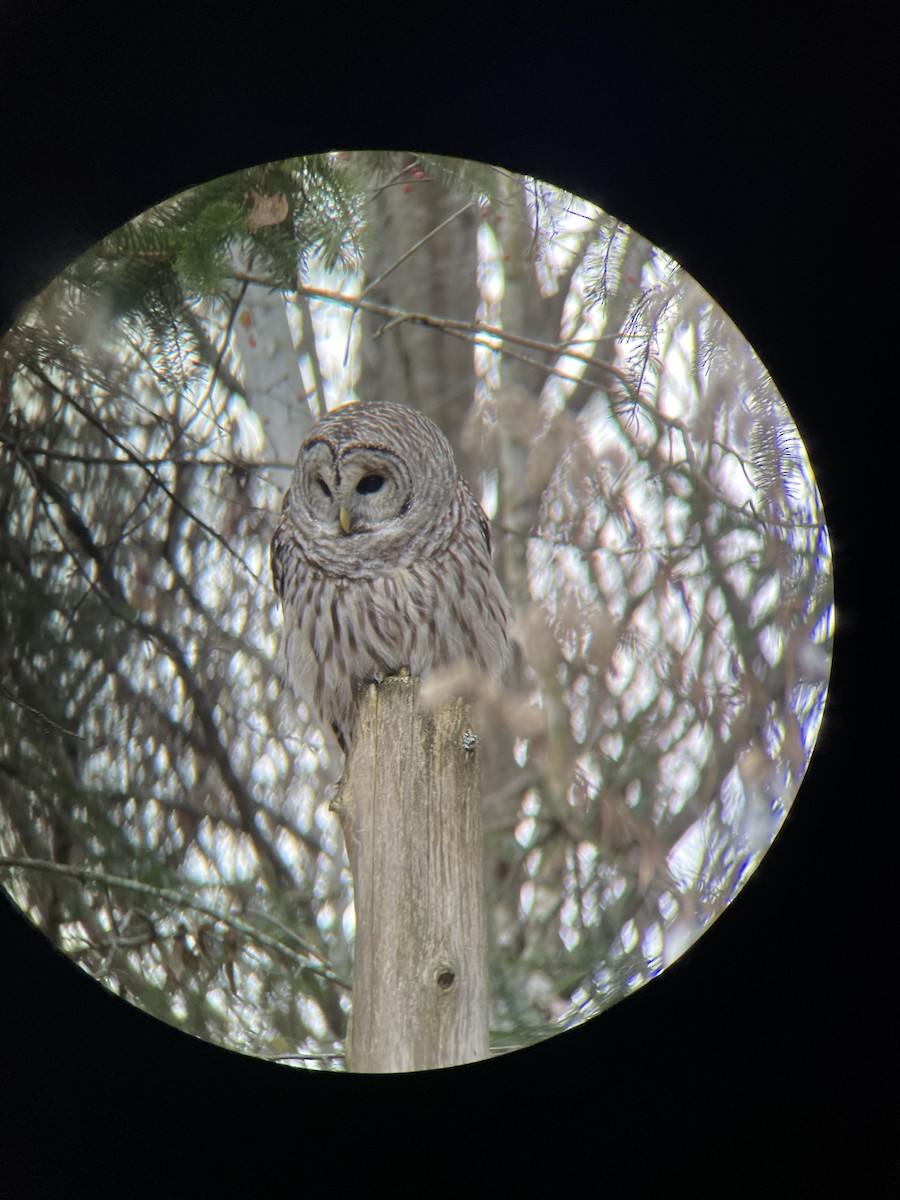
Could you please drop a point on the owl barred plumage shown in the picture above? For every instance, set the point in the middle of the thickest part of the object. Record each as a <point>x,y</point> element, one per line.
<point>382,560</point>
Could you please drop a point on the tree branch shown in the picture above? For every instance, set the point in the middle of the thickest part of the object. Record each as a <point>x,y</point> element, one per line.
<point>183,900</point>
<point>139,461</point>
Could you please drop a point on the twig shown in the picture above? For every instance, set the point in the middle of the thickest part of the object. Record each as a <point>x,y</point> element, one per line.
<point>41,717</point>
<point>412,249</point>
<point>183,900</point>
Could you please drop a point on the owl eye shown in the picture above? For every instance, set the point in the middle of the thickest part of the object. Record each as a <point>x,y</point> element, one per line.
<point>369,484</point>
<point>324,486</point>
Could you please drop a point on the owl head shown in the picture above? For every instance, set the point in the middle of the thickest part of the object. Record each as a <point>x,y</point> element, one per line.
<point>374,480</point>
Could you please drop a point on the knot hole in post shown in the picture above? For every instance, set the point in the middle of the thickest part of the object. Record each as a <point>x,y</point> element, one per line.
<point>445,977</point>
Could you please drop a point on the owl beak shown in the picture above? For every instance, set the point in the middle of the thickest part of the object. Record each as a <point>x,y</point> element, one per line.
<point>345,520</point>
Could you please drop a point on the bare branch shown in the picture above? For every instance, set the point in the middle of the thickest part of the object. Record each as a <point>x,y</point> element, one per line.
<point>139,461</point>
<point>305,962</point>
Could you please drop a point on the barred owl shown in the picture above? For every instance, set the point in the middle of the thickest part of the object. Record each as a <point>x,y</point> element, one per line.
<point>382,560</point>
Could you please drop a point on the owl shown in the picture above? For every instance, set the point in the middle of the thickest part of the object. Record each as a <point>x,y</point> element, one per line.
<point>382,561</point>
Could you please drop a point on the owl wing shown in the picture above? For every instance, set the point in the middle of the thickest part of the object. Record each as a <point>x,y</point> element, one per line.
<point>485,527</point>
<point>278,551</point>
<point>469,502</point>
<point>276,558</point>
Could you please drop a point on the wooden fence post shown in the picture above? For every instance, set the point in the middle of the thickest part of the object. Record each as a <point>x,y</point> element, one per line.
<point>410,809</point>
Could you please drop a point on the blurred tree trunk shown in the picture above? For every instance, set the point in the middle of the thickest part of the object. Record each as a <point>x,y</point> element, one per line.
<point>409,363</point>
<point>270,370</point>
<point>411,814</point>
